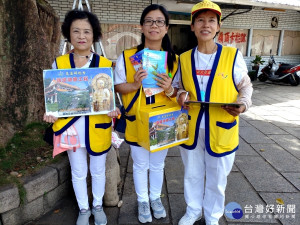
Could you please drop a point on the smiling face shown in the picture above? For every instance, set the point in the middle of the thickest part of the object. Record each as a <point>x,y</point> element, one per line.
<point>81,35</point>
<point>206,26</point>
<point>153,32</point>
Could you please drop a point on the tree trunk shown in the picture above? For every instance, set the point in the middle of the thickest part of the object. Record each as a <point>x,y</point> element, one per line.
<point>29,41</point>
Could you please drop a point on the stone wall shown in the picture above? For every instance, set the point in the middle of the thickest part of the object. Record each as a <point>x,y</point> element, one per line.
<point>42,191</point>
<point>108,11</point>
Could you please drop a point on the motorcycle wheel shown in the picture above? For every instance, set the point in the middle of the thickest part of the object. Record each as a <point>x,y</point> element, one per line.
<point>294,80</point>
<point>262,77</point>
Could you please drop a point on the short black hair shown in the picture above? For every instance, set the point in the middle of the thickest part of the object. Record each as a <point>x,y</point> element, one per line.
<point>201,11</point>
<point>76,14</point>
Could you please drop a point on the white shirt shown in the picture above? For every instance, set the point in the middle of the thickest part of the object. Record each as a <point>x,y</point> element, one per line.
<point>119,73</point>
<point>204,63</point>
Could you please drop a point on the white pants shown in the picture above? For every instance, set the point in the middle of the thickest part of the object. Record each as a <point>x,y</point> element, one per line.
<point>199,167</point>
<point>79,169</point>
<point>143,160</point>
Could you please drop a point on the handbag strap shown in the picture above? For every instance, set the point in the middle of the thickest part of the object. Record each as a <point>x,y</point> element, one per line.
<point>133,100</point>
<point>138,116</point>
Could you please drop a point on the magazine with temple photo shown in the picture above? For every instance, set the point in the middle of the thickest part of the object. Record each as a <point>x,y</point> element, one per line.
<point>76,92</point>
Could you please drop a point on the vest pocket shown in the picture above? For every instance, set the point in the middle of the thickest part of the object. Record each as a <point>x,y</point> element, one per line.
<point>226,134</point>
<point>131,129</point>
<point>226,125</point>
<point>103,125</point>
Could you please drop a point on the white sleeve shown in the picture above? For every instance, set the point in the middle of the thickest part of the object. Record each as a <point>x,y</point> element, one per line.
<point>240,68</point>
<point>177,78</point>
<point>119,72</point>
<point>54,66</point>
<point>242,81</point>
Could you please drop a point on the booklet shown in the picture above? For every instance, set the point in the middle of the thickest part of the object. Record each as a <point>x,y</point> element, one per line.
<point>154,62</point>
<point>77,92</point>
<point>136,59</point>
<point>219,104</point>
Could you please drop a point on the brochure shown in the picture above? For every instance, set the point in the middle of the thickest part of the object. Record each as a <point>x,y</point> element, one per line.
<point>76,92</point>
<point>236,105</point>
<point>154,62</point>
<point>136,59</point>
<point>168,128</point>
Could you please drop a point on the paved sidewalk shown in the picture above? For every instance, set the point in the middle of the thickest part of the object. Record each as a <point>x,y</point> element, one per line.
<point>267,167</point>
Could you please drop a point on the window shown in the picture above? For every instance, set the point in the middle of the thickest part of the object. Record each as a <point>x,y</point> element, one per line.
<point>234,37</point>
<point>263,41</point>
<point>291,40</point>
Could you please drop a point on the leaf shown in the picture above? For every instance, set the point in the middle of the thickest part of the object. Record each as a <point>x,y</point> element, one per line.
<point>262,150</point>
<point>279,201</point>
<point>154,73</point>
<point>155,66</point>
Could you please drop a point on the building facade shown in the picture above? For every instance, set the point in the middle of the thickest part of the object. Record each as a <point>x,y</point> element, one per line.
<point>255,30</point>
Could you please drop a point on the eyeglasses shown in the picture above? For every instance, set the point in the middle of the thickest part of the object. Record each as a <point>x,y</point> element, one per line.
<point>159,23</point>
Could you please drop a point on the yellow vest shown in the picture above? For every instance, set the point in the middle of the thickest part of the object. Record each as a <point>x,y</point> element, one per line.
<point>221,129</point>
<point>98,127</point>
<point>131,125</point>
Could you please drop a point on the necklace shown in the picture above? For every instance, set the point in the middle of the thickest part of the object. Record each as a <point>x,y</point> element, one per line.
<point>82,56</point>
<point>202,76</point>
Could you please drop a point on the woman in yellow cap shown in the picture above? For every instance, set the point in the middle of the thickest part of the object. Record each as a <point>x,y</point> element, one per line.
<point>212,73</point>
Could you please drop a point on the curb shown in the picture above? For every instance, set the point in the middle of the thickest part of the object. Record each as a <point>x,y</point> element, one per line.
<point>43,190</point>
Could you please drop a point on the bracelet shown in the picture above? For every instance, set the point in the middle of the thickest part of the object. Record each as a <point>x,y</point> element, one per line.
<point>179,92</point>
<point>171,93</point>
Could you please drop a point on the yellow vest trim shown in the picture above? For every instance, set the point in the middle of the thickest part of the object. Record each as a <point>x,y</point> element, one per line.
<point>156,100</point>
<point>221,129</point>
<point>97,127</point>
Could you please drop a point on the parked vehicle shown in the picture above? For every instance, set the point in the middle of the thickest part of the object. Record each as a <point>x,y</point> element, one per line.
<point>282,73</point>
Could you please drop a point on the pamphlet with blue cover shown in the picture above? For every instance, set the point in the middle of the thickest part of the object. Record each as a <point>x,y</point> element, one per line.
<point>76,92</point>
<point>154,62</point>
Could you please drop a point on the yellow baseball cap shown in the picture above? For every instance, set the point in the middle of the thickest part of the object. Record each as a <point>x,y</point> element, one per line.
<point>206,4</point>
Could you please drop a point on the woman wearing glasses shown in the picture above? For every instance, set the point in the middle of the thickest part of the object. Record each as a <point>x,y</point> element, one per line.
<point>154,25</point>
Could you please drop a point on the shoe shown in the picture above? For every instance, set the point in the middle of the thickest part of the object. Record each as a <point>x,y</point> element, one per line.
<point>188,220</point>
<point>144,212</point>
<point>83,217</point>
<point>158,209</point>
<point>99,215</point>
<point>212,223</point>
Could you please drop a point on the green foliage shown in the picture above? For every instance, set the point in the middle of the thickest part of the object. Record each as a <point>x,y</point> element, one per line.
<point>160,136</point>
<point>22,191</point>
<point>155,66</point>
<point>172,133</point>
<point>21,152</point>
<point>258,60</point>
<point>153,142</point>
<point>52,107</point>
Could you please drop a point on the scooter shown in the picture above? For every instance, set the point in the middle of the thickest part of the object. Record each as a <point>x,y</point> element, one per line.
<point>282,73</point>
